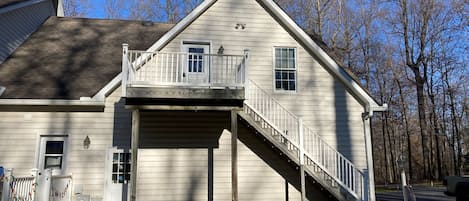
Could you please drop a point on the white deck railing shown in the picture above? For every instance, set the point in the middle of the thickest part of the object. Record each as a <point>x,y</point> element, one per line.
<point>183,69</point>
<point>19,188</point>
<point>312,149</point>
<point>39,186</point>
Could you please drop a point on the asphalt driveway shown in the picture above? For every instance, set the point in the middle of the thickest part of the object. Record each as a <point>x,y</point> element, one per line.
<point>422,193</point>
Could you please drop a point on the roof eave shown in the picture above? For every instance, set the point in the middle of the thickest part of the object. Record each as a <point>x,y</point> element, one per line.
<point>331,65</point>
<point>51,102</point>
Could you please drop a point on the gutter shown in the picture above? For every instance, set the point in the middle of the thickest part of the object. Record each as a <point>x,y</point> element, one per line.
<point>51,102</point>
<point>369,110</point>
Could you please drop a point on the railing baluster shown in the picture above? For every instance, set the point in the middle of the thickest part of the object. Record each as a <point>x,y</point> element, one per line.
<point>177,68</point>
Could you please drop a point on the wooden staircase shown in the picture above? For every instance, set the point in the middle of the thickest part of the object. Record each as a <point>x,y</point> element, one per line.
<point>304,147</point>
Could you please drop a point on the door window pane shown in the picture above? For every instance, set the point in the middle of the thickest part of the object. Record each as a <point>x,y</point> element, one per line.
<point>196,60</point>
<point>121,167</point>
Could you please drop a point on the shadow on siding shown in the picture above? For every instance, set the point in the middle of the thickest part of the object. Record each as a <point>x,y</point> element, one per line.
<point>279,163</point>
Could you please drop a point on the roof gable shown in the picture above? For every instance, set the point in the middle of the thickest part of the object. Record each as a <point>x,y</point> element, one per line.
<point>301,36</point>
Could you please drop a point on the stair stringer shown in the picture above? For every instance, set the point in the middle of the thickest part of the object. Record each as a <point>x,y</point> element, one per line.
<point>320,176</point>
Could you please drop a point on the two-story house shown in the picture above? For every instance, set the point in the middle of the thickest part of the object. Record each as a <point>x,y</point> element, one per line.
<point>234,102</point>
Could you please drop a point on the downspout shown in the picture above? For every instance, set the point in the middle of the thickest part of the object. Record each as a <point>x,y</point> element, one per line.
<point>367,115</point>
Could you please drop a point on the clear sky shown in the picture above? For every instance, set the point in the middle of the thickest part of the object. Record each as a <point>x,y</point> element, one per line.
<point>96,9</point>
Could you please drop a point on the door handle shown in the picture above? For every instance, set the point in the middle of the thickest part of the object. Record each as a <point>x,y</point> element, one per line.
<point>183,74</point>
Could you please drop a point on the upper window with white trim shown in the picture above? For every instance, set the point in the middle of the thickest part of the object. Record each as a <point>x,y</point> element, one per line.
<point>285,69</point>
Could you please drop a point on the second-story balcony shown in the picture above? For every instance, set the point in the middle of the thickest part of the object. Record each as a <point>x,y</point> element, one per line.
<point>183,75</point>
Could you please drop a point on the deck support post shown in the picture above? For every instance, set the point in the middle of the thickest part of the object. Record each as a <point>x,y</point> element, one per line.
<point>134,152</point>
<point>302,159</point>
<point>234,155</point>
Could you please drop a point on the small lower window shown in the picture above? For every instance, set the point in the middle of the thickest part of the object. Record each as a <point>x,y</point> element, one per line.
<point>285,69</point>
<point>52,152</point>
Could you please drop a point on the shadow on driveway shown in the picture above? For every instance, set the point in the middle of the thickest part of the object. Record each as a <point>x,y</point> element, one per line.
<point>422,193</point>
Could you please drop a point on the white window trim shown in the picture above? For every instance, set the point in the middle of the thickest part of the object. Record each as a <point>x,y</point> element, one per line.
<point>196,42</point>
<point>282,91</point>
<point>204,66</point>
<point>40,151</point>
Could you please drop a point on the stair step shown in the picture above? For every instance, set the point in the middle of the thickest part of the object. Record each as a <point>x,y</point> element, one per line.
<point>285,146</point>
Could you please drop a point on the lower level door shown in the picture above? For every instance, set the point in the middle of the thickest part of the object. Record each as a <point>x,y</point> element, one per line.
<point>118,175</point>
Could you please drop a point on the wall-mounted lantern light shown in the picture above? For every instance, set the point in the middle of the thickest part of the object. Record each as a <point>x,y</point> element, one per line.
<point>86,142</point>
<point>221,50</point>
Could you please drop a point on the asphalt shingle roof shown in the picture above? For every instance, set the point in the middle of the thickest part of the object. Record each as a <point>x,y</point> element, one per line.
<point>69,58</point>
<point>5,3</point>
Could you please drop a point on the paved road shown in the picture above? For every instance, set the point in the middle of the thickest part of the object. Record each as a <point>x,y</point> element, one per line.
<point>422,193</point>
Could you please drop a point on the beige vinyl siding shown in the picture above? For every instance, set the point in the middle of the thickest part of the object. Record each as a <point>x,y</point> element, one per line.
<point>174,161</point>
<point>16,25</point>
<point>172,174</point>
<point>20,131</point>
<point>321,100</point>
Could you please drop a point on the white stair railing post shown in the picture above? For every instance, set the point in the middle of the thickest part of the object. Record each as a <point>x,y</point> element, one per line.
<point>125,68</point>
<point>44,185</point>
<point>246,73</point>
<point>7,181</point>
<point>34,173</point>
<point>302,158</point>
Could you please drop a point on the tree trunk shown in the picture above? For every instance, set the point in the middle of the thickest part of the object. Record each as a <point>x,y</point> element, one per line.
<point>406,124</point>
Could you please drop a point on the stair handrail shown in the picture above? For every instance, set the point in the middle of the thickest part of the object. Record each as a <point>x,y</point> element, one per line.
<point>284,130</point>
<point>349,166</point>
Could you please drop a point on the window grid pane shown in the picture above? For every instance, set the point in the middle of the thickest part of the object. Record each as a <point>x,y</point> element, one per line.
<point>285,69</point>
<point>121,167</point>
<point>196,60</point>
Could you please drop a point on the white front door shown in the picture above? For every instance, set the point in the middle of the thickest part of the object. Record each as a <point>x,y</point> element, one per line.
<point>117,175</point>
<point>197,64</point>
